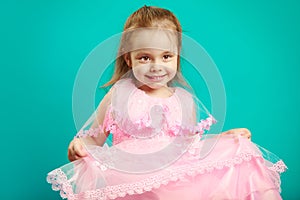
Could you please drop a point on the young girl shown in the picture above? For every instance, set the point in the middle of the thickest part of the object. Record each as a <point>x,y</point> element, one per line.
<point>159,150</point>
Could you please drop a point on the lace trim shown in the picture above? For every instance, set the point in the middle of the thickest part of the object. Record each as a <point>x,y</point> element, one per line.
<point>110,125</point>
<point>275,170</point>
<point>93,132</point>
<point>204,125</point>
<point>279,167</point>
<point>59,180</point>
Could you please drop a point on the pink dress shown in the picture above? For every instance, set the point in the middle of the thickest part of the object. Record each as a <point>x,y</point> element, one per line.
<point>160,152</point>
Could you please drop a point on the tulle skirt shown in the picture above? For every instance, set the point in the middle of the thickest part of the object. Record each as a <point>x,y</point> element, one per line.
<point>208,168</point>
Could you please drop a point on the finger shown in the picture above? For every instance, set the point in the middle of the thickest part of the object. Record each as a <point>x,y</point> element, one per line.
<point>71,151</point>
<point>234,133</point>
<point>79,151</point>
<point>75,150</point>
<point>71,156</point>
<point>236,138</point>
<point>77,157</point>
<point>230,132</point>
<point>246,133</point>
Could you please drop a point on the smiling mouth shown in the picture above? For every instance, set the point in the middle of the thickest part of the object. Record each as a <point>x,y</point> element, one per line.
<point>155,78</point>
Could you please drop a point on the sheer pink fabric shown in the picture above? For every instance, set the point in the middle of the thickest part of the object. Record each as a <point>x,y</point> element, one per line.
<point>161,156</point>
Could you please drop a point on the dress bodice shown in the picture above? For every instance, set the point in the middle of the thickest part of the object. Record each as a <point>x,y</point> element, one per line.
<point>135,114</point>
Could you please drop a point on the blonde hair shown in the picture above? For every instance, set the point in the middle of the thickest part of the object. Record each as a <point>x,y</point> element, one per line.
<point>145,17</point>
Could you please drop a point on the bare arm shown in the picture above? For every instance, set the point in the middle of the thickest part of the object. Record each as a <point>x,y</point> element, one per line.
<point>76,148</point>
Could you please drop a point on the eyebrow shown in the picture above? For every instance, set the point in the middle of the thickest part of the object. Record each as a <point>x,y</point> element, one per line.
<point>141,52</point>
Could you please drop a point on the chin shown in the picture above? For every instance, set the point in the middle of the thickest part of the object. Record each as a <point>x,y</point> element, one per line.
<point>154,86</point>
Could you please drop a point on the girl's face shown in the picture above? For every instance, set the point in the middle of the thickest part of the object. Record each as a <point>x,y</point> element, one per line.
<point>153,67</point>
<point>153,56</point>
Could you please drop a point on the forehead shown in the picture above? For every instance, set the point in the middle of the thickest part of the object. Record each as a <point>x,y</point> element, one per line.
<point>151,51</point>
<point>159,39</point>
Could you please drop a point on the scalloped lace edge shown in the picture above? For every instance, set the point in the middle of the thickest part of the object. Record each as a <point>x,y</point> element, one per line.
<point>59,181</point>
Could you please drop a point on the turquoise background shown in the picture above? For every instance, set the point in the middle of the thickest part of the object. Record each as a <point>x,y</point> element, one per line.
<point>255,45</point>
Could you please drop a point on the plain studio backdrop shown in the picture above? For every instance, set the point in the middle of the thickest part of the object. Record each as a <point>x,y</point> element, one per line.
<point>254,44</point>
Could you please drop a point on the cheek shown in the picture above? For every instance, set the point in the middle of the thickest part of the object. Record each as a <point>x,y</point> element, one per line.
<point>172,66</point>
<point>173,69</point>
<point>175,64</point>
<point>172,73</point>
<point>140,70</point>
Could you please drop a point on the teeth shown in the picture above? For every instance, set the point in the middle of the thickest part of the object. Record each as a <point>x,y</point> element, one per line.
<point>155,77</point>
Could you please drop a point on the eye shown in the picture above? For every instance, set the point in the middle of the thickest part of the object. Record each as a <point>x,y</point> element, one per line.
<point>167,57</point>
<point>144,59</point>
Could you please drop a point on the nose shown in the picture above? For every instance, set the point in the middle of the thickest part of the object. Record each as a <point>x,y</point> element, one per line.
<point>155,67</point>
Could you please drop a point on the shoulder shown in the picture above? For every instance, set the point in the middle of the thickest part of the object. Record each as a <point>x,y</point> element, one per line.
<point>105,102</point>
<point>183,93</point>
<point>185,98</point>
<point>119,85</point>
<point>123,83</point>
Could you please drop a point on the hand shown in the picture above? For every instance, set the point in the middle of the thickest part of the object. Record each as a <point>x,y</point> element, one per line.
<point>76,150</point>
<point>238,132</point>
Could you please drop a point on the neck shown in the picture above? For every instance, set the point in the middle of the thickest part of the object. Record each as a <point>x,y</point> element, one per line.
<point>162,92</point>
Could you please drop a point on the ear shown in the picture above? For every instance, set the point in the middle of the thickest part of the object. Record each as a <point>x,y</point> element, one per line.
<point>127,59</point>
